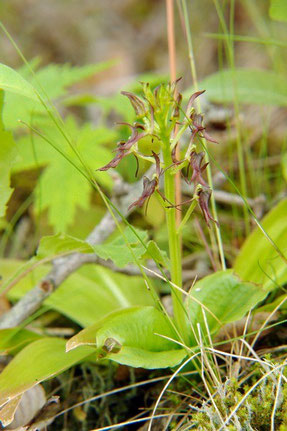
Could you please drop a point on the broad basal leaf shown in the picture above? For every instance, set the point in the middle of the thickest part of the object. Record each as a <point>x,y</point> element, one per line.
<point>278,10</point>
<point>133,337</point>
<point>38,361</point>
<point>224,298</point>
<point>258,261</point>
<point>87,295</point>
<point>253,86</point>
<point>13,340</point>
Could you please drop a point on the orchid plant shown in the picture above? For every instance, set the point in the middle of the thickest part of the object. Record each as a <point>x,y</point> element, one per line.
<point>160,116</point>
<point>147,336</point>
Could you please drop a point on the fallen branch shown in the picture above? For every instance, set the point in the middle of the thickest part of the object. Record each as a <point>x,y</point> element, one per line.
<point>124,195</point>
<point>63,267</point>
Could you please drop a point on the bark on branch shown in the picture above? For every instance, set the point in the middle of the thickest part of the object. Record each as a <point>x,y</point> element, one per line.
<point>124,195</point>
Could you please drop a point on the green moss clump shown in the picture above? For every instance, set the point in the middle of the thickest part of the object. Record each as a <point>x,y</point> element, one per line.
<point>254,413</point>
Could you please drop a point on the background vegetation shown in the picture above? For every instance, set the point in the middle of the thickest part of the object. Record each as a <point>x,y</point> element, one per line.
<point>67,264</point>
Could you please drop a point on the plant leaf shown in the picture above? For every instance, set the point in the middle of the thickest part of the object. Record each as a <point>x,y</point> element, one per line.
<point>253,86</point>
<point>224,298</point>
<point>257,260</point>
<point>38,361</point>
<point>278,10</point>
<point>13,340</point>
<point>61,244</point>
<point>62,188</point>
<point>153,251</point>
<point>12,81</point>
<point>7,158</point>
<point>131,337</point>
<point>87,295</point>
<point>52,80</point>
<point>118,251</point>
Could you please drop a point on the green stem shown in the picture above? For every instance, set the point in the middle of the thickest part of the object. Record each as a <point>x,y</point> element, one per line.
<point>174,247</point>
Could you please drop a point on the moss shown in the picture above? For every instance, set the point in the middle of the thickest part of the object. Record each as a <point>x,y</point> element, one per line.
<point>255,412</point>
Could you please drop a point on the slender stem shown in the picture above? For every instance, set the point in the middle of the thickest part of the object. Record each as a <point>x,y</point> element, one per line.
<point>172,68</point>
<point>174,247</point>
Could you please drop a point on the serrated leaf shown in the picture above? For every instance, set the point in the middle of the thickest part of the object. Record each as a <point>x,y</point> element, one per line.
<point>61,244</point>
<point>52,80</point>
<point>55,78</point>
<point>278,10</point>
<point>38,361</point>
<point>132,337</point>
<point>224,298</point>
<point>253,86</point>
<point>118,251</point>
<point>87,295</point>
<point>62,188</point>
<point>258,261</point>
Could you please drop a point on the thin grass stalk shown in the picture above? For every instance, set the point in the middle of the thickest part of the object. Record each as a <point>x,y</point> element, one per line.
<point>208,169</point>
<point>230,56</point>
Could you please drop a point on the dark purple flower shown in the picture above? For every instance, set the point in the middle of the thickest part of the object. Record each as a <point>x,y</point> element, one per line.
<point>192,99</point>
<point>197,120</point>
<point>116,160</point>
<point>195,162</point>
<point>123,148</point>
<point>203,200</point>
<point>137,103</point>
<point>149,187</point>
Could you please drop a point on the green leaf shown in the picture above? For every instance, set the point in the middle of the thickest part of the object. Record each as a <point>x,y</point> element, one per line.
<point>61,244</point>
<point>62,188</point>
<point>278,10</point>
<point>132,337</point>
<point>153,251</point>
<point>56,78</point>
<point>38,361</point>
<point>87,295</point>
<point>7,157</point>
<point>253,86</point>
<point>52,80</point>
<point>257,260</point>
<point>224,298</point>
<point>15,339</point>
<point>118,251</point>
<point>12,81</point>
